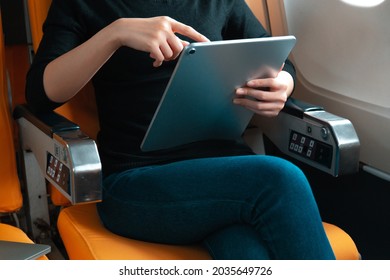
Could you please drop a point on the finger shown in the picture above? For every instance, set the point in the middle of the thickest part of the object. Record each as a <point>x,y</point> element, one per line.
<point>261,83</point>
<point>166,51</point>
<point>176,46</point>
<point>261,108</point>
<point>281,67</point>
<point>263,95</point>
<point>188,31</point>
<point>157,63</point>
<point>158,60</point>
<point>184,43</point>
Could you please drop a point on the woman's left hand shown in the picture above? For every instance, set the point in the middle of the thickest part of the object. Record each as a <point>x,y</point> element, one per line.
<point>266,97</point>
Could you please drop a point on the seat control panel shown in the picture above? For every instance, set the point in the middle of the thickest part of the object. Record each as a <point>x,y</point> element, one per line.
<point>58,172</point>
<point>316,137</point>
<point>311,149</point>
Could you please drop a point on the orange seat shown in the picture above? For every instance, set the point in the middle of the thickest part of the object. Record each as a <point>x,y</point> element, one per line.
<point>11,199</point>
<point>342,244</point>
<point>85,237</point>
<point>81,230</point>
<point>10,194</point>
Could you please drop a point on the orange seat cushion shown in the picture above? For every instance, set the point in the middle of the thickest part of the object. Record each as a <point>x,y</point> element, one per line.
<point>342,244</point>
<point>85,237</point>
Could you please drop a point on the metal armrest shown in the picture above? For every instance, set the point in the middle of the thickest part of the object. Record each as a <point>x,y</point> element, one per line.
<point>67,157</point>
<point>310,134</point>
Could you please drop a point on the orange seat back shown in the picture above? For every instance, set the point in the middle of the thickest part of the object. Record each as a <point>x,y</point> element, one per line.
<point>37,10</point>
<point>10,193</point>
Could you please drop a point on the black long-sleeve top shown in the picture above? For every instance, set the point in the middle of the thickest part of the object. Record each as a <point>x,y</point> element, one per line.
<point>128,88</point>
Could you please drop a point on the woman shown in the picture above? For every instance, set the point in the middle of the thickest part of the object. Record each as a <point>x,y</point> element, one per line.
<point>239,205</point>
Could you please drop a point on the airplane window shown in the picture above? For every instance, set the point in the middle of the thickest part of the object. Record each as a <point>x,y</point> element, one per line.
<point>364,3</point>
<point>343,48</point>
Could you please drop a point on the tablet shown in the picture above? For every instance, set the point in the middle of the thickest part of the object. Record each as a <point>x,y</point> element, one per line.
<point>10,250</point>
<point>197,103</point>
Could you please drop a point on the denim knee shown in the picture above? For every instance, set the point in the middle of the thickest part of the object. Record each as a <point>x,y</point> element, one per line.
<point>286,175</point>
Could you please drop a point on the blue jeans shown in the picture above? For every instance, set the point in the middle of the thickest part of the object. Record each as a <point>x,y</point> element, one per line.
<point>242,207</point>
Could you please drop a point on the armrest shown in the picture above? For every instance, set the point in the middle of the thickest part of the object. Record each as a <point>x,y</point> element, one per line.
<point>48,122</point>
<point>298,108</point>
<point>311,135</point>
<point>67,157</point>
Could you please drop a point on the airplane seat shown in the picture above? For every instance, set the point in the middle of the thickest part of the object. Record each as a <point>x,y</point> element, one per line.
<point>10,194</point>
<point>11,199</point>
<point>81,230</point>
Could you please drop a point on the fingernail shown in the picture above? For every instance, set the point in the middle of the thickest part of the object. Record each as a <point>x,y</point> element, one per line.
<point>251,83</point>
<point>240,91</point>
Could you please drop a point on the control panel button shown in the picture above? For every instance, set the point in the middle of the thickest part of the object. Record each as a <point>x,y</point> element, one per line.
<point>311,149</point>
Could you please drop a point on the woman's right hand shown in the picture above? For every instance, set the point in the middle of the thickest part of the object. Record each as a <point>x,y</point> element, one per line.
<point>156,36</point>
<point>68,73</point>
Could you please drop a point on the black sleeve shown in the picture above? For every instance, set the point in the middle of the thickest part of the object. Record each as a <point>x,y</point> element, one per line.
<point>62,32</point>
